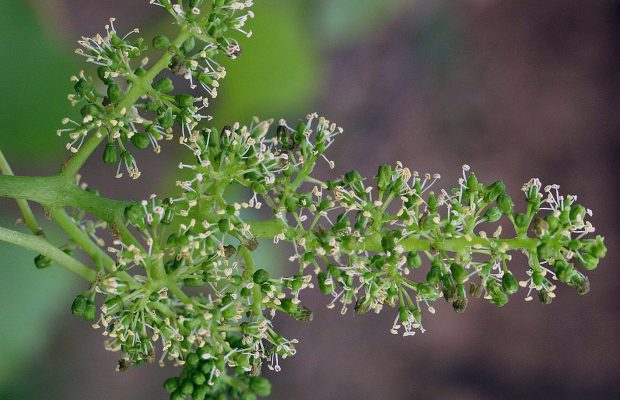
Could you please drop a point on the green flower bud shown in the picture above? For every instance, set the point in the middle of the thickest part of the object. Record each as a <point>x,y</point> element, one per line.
<point>588,261</point>
<point>414,260</point>
<point>291,204</point>
<point>537,278</point>
<point>140,140</point>
<point>171,384</point>
<point>193,359</point>
<point>492,192</point>
<point>362,305</point>
<point>164,85</point>
<point>597,248</point>
<point>110,155</point>
<point>472,183</point>
<point>177,395</point>
<point>564,271</point>
<point>260,386</point>
<point>199,378</point>
<point>114,93</point>
<point>384,177</point>
<point>581,283</point>
<point>42,261</point>
<point>134,214</point>
<point>545,296</point>
<point>184,100</point>
<point>188,45</point>
<point>545,251</point>
<point>522,222</point>
<point>83,87</point>
<point>505,204</point>
<point>460,303</point>
<point>161,42</point>
<point>323,286</point>
<point>577,214</point>
<point>432,201</point>
<point>492,215</point>
<point>498,296</point>
<point>187,388</point>
<point>302,313</point>
<point>79,305</point>
<point>104,74</point>
<point>509,283</point>
<point>459,273</point>
<point>89,311</point>
<point>434,275</point>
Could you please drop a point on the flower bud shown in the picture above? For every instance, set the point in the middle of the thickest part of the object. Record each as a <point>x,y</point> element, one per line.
<point>187,388</point>
<point>383,177</point>
<point>581,283</point>
<point>522,222</point>
<point>577,214</point>
<point>90,310</point>
<point>161,42</point>
<point>83,87</point>
<point>505,204</point>
<point>434,275</point>
<point>362,305</point>
<point>492,215</point>
<point>472,183</point>
<point>588,261</point>
<point>545,251</point>
<point>323,286</point>
<point>134,214</point>
<point>460,303</point>
<point>42,261</point>
<point>114,93</point>
<point>597,248</point>
<point>545,296</point>
<point>171,384</point>
<point>140,140</point>
<point>492,192</point>
<point>509,283</point>
<point>184,100</point>
<point>414,260</point>
<point>78,307</point>
<point>459,273</point>
<point>164,85</point>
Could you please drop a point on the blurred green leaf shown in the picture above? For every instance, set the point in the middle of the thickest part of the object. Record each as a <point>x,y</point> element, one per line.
<point>343,20</point>
<point>30,301</point>
<point>34,84</point>
<point>279,69</point>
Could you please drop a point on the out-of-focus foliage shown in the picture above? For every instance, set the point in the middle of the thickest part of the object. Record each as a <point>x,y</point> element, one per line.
<point>29,301</point>
<point>35,72</point>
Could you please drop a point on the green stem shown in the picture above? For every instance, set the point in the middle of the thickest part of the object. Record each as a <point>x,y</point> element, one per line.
<point>23,205</point>
<point>99,256</point>
<point>42,246</point>
<point>257,296</point>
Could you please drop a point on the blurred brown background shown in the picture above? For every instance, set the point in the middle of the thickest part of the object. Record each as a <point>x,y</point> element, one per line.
<point>516,89</point>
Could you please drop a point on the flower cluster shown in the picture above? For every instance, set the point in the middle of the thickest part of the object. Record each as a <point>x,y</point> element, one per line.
<point>183,285</point>
<point>111,105</point>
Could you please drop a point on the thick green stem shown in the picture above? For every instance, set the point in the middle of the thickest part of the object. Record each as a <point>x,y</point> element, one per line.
<point>22,204</point>
<point>42,246</point>
<point>55,192</point>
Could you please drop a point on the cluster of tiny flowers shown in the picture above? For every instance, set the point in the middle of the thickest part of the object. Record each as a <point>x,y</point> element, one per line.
<point>363,243</point>
<point>186,289</point>
<point>110,109</point>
